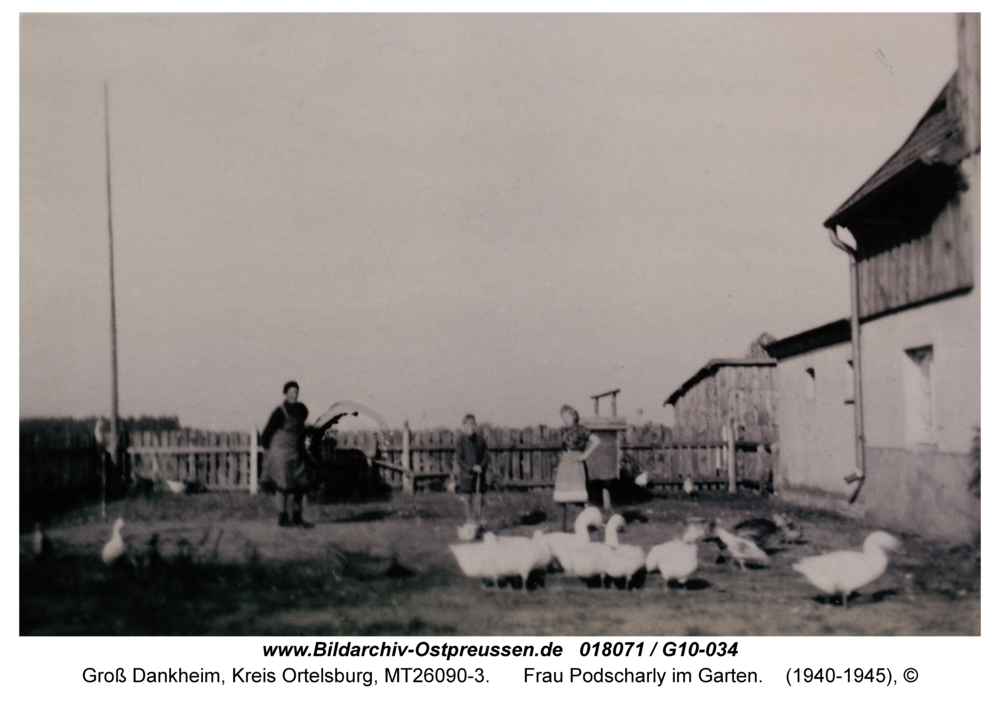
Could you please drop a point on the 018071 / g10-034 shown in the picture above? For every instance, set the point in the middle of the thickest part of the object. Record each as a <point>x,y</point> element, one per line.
<point>669,649</point>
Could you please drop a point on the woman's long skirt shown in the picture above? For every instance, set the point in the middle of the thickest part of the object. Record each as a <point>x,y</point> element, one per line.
<point>571,479</point>
<point>283,467</point>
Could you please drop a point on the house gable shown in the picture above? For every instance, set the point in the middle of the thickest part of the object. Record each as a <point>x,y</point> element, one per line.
<point>913,246</point>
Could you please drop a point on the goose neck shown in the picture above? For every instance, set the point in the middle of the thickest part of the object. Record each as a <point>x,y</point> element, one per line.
<point>611,535</point>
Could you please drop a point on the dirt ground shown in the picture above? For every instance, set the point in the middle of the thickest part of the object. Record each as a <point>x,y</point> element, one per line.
<point>385,569</point>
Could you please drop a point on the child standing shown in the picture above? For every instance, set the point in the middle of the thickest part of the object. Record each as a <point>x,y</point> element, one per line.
<point>473,457</point>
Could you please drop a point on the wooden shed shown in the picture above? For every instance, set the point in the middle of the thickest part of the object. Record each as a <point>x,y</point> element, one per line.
<point>737,390</point>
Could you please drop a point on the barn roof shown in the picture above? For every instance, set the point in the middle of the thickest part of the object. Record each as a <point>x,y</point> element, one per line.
<point>710,368</point>
<point>820,337</point>
<point>938,131</point>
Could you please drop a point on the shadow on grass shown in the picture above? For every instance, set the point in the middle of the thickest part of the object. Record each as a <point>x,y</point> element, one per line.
<point>79,595</point>
<point>838,599</point>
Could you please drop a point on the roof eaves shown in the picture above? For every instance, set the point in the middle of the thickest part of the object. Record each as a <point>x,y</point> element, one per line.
<point>710,368</point>
<point>940,124</point>
<point>813,339</point>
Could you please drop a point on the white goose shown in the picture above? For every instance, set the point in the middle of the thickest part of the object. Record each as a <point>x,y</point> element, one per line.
<point>845,571</point>
<point>516,556</point>
<point>677,559</point>
<point>562,542</point>
<point>622,562</point>
<point>585,559</point>
<point>689,487</point>
<point>469,531</point>
<point>115,547</point>
<point>739,549</point>
<point>476,559</point>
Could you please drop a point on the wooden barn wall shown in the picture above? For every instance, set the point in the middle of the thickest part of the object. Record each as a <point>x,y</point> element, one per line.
<point>903,269</point>
<point>744,393</point>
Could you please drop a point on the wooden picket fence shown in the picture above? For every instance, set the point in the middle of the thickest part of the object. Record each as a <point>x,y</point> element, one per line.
<point>527,458</point>
<point>413,460</point>
<point>215,461</point>
<point>670,455</point>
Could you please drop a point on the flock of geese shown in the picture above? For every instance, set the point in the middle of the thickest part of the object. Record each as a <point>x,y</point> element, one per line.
<point>523,562</point>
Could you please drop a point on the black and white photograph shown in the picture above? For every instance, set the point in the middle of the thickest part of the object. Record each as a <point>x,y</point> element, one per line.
<point>499,324</point>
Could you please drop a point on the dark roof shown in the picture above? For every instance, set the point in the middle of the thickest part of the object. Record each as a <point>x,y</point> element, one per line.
<point>710,368</point>
<point>820,337</point>
<point>939,129</point>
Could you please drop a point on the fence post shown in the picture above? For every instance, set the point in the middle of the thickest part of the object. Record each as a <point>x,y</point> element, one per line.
<point>730,436</point>
<point>253,460</point>
<point>405,458</point>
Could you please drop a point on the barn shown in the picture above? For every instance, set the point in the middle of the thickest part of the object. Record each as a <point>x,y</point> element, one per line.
<point>734,391</point>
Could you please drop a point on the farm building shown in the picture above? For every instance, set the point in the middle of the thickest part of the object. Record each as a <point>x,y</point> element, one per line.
<point>915,285</point>
<point>724,391</point>
<point>814,381</point>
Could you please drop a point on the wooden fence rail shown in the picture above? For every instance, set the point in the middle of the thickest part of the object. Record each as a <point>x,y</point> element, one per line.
<point>520,458</point>
<point>216,461</point>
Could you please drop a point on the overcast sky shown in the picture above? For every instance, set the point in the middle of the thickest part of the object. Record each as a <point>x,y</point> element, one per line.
<point>437,214</point>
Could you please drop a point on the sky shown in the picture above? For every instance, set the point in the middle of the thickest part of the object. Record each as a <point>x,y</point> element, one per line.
<point>437,214</point>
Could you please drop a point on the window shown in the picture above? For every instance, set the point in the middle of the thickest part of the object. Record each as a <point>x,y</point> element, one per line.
<point>810,386</point>
<point>918,396</point>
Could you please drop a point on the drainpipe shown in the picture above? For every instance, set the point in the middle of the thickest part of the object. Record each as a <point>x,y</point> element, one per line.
<point>859,424</point>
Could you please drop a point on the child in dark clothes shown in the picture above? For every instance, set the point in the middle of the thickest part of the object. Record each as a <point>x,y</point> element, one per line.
<point>473,457</point>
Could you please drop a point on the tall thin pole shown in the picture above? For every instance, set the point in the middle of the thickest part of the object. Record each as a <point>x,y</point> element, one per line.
<point>859,419</point>
<point>114,330</point>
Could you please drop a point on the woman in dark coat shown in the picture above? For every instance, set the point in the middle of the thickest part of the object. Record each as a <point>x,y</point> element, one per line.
<point>284,468</point>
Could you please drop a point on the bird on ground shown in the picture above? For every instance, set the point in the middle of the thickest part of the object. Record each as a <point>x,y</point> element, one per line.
<point>642,479</point>
<point>534,518</point>
<point>739,550</point>
<point>846,571</point>
<point>583,558</point>
<point>769,533</point>
<point>175,486</point>
<point>562,542</point>
<point>677,559</point>
<point>41,546</point>
<point>468,532</point>
<point>476,559</point>
<point>521,558</point>
<point>494,559</point>
<point>689,488</point>
<point>115,547</point>
<point>696,529</point>
<point>624,564</point>
<point>762,531</point>
<point>790,532</point>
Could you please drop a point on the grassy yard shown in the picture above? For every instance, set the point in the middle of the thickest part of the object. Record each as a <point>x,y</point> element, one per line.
<point>222,566</point>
